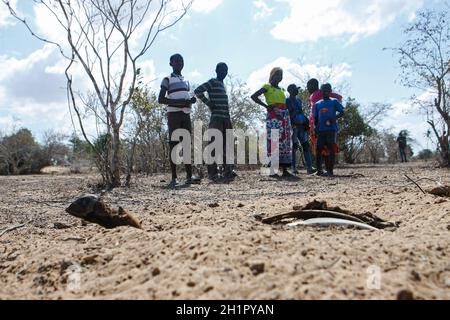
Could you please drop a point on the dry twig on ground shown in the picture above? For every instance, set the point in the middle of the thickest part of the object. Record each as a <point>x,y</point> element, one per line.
<point>415,184</point>
<point>11,229</point>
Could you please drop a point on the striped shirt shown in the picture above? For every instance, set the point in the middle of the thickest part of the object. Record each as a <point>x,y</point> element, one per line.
<point>218,98</point>
<point>177,88</point>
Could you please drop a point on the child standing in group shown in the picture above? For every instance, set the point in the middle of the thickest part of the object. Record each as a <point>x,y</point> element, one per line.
<point>217,101</point>
<point>300,128</point>
<point>175,94</point>
<point>326,113</point>
<point>316,96</point>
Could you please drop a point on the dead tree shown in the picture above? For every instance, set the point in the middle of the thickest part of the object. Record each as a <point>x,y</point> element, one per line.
<point>424,59</point>
<point>106,39</point>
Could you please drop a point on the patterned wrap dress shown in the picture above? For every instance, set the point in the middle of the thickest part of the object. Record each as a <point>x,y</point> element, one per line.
<point>279,118</point>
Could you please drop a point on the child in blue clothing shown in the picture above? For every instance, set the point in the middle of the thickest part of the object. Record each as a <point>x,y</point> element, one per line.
<point>326,114</point>
<point>300,127</point>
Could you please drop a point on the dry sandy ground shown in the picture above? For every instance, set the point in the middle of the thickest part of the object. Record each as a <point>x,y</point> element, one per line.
<point>203,242</point>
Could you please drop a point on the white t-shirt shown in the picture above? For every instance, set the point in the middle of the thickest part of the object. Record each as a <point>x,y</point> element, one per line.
<point>177,88</point>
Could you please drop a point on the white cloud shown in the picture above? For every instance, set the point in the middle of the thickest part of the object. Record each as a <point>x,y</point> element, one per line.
<point>195,74</point>
<point>32,89</point>
<point>313,20</point>
<point>47,25</point>
<point>406,115</point>
<point>33,94</point>
<point>299,73</point>
<point>264,10</point>
<point>5,17</point>
<point>148,72</point>
<point>205,6</point>
<point>9,124</point>
<point>27,78</point>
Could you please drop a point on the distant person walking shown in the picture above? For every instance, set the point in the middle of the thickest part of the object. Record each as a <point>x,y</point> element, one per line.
<point>326,113</point>
<point>175,94</point>
<point>445,145</point>
<point>402,144</point>
<point>278,118</point>
<point>444,142</point>
<point>217,101</point>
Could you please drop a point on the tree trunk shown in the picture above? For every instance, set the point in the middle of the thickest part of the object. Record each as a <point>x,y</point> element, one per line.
<point>446,155</point>
<point>14,167</point>
<point>444,147</point>
<point>130,162</point>
<point>115,158</point>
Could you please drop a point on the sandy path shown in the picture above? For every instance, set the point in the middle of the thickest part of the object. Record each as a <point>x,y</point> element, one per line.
<point>193,249</point>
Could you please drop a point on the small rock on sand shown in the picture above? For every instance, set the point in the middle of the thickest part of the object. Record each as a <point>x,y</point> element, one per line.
<point>60,226</point>
<point>156,272</point>
<point>257,216</point>
<point>405,295</point>
<point>208,289</point>
<point>415,276</point>
<point>257,268</point>
<point>89,259</point>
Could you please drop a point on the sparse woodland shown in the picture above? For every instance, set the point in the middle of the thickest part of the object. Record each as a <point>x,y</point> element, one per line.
<point>131,126</point>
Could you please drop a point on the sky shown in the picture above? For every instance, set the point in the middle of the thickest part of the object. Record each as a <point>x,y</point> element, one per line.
<point>340,38</point>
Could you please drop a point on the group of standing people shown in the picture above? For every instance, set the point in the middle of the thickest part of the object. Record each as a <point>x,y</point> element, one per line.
<point>175,93</point>
<point>284,113</point>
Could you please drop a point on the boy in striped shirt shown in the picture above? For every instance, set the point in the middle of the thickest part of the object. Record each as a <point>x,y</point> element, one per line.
<point>175,94</point>
<point>217,101</point>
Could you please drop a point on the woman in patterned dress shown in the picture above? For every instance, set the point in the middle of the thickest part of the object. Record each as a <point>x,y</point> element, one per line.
<point>277,118</point>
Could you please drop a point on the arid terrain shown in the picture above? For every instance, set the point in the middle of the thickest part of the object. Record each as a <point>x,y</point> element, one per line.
<point>205,241</point>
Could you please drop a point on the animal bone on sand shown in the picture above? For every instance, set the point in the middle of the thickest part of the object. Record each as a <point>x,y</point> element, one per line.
<point>92,209</point>
<point>311,214</point>
<point>332,222</point>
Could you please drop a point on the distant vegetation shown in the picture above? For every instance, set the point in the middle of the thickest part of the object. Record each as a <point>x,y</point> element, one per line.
<point>132,133</point>
<point>144,143</point>
<point>21,154</point>
<point>424,59</point>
